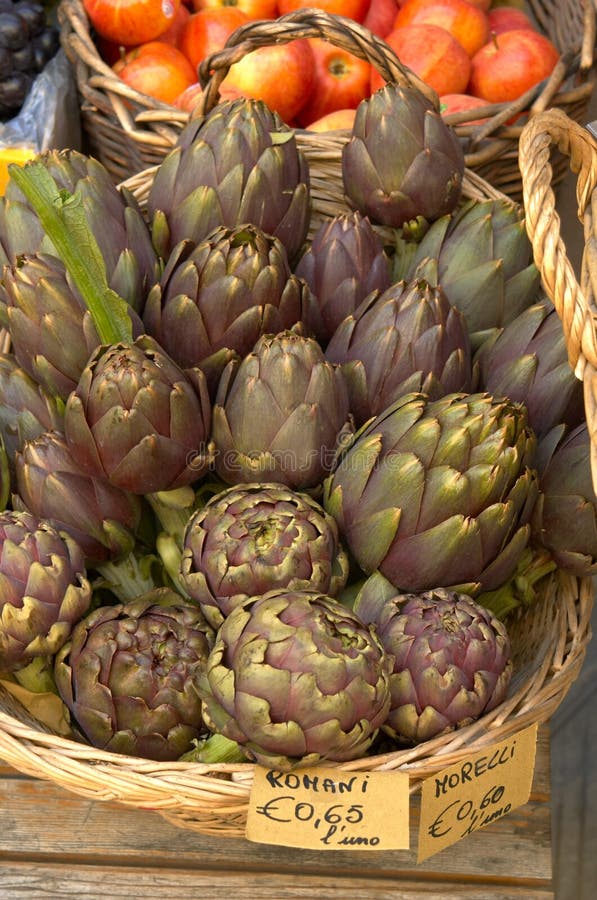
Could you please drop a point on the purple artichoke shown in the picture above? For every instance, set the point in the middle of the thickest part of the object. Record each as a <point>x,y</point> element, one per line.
<point>452,659</point>
<point>137,420</point>
<point>295,677</point>
<point>128,675</point>
<point>249,540</point>
<point>43,589</point>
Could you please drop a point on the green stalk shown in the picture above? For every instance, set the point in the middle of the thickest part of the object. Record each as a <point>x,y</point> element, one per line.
<point>214,749</point>
<point>63,219</point>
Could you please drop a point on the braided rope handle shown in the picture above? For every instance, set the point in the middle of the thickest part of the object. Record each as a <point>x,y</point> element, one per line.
<point>574,302</point>
<point>306,23</point>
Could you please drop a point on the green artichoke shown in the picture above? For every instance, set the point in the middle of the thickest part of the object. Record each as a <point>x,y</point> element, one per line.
<point>401,160</point>
<point>344,263</point>
<point>26,409</point>
<point>114,218</point>
<point>128,675</point>
<point>407,339</point>
<point>238,164</point>
<point>224,293</point>
<point>280,415</point>
<point>438,492</point>
<point>452,659</point>
<point>44,590</point>
<point>294,677</point>
<point>565,516</point>
<point>248,540</point>
<point>483,260</point>
<point>137,420</point>
<point>102,518</point>
<point>52,333</point>
<point>527,361</point>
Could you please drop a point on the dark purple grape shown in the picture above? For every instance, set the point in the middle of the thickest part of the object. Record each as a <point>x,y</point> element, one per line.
<point>6,66</point>
<point>33,13</point>
<point>14,31</point>
<point>14,89</point>
<point>45,46</point>
<point>23,60</point>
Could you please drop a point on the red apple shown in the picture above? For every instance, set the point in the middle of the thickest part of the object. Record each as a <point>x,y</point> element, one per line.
<point>510,64</point>
<point>156,69</point>
<point>282,75</point>
<point>339,119</point>
<point>431,53</point>
<point>131,22</point>
<point>508,18</point>
<point>465,22</point>
<point>380,16</point>
<point>341,81</point>
<point>453,103</point>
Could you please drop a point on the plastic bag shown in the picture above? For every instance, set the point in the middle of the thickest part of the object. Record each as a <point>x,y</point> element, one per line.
<point>49,117</point>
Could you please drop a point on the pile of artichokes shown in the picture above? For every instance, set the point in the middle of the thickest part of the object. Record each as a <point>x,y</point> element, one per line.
<point>271,497</point>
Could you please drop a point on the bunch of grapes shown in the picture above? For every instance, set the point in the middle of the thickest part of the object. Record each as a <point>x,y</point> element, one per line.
<point>27,42</point>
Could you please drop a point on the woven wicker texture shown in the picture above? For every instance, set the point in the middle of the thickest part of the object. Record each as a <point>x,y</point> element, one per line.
<point>129,131</point>
<point>574,301</point>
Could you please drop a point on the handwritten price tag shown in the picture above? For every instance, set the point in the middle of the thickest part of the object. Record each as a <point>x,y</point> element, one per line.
<point>329,809</point>
<point>471,794</point>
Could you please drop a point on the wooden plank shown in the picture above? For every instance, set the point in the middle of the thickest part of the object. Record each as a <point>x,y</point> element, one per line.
<point>518,846</point>
<point>36,881</point>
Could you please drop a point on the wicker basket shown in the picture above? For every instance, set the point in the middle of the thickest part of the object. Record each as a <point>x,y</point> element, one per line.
<point>129,131</point>
<point>575,303</point>
<point>549,641</point>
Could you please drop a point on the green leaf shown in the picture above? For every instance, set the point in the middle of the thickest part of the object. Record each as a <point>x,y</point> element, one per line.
<point>63,219</point>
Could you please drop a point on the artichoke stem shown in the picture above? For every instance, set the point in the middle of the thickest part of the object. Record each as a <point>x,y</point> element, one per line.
<point>131,576</point>
<point>170,553</point>
<point>172,509</point>
<point>214,749</point>
<point>520,589</point>
<point>38,676</point>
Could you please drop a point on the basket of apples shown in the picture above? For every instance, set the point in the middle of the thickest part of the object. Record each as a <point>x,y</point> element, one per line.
<point>490,67</point>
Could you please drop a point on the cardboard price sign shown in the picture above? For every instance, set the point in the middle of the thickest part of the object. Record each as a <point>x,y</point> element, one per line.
<point>329,809</point>
<point>473,793</point>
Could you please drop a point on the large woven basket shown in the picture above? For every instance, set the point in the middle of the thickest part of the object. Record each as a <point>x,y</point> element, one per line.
<point>549,640</point>
<point>129,131</point>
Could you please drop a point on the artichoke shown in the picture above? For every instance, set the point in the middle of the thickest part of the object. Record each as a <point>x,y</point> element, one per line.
<point>344,263</point>
<point>128,675</point>
<point>294,677</point>
<point>44,590</point>
<point>102,518</point>
<point>407,339</point>
<point>51,330</point>
<point>239,164</point>
<point>565,516</point>
<point>248,540</point>
<point>114,218</point>
<point>401,160</point>
<point>483,260</point>
<point>527,361</point>
<point>224,293</point>
<point>280,415</point>
<point>137,420</point>
<point>452,659</point>
<point>26,409</point>
<point>438,492</point>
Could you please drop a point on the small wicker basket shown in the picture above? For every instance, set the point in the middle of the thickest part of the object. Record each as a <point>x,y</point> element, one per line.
<point>129,131</point>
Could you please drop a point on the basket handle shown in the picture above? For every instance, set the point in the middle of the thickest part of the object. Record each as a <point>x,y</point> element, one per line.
<point>305,23</point>
<point>574,302</point>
